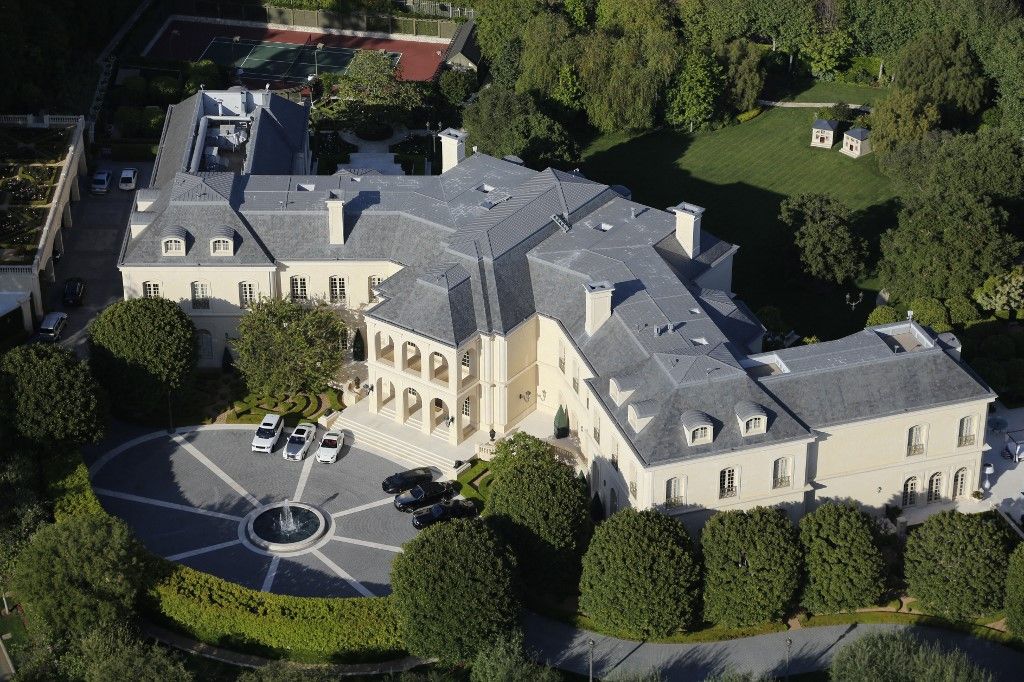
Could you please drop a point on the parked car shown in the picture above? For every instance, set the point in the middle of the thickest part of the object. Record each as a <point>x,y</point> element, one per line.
<point>424,494</point>
<point>268,432</point>
<point>129,177</point>
<point>100,182</point>
<point>331,444</point>
<point>51,328</point>
<point>74,291</point>
<point>443,511</point>
<point>404,480</point>
<point>299,442</point>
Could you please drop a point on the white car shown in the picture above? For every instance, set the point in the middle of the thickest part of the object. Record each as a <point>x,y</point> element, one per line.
<point>330,446</point>
<point>299,442</point>
<point>268,432</point>
<point>129,177</point>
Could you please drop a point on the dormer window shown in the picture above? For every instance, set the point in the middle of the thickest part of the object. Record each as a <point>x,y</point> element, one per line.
<point>174,246</point>
<point>752,418</point>
<point>700,434</point>
<point>753,425</point>
<point>220,247</point>
<point>697,427</point>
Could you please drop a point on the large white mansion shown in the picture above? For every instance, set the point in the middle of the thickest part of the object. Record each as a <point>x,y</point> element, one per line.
<point>492,294</point>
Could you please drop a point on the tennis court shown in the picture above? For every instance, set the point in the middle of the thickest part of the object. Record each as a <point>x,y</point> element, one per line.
<point>279,61</point>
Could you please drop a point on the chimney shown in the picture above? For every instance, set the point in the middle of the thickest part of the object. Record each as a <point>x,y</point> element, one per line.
<point>336,217</point>
<point>599,304</point>
<point>688,217</point>
<point>453,148</point>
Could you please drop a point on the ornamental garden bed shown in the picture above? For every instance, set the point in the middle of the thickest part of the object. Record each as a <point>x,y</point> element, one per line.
<point>221,397</point>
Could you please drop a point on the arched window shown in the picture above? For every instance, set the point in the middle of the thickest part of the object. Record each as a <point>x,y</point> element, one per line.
<point>727,483</point>
<point>337,290</point>
<point>965,434</point>
<point>221,246</point>
<point>915,440</point>
<point>151,289</point>
<point>465,408</point>
<point>910,492</point>
<point>934,488</point>
<point>200,296</point>
<point>780,473</point>
<point>673,492</point>
<point>204,341</point>
<point>246,294</point>
<point>298,288</point>
<point>700,434</point>
<point>959,484</point>
<point>174,246</point>
<point>754,425</point>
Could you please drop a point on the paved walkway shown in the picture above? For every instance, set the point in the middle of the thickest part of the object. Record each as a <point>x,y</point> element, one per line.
<point>376,146</point>
<point>808,105</point>
<point>811,649</point>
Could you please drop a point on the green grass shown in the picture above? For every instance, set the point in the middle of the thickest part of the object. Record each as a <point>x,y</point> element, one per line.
<point>741,174</point>
<point>479,492</point>
<point>840,92</point>
<point>19,637</point>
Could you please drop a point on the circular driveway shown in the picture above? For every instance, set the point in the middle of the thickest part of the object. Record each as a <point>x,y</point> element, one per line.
<point>186,496</point>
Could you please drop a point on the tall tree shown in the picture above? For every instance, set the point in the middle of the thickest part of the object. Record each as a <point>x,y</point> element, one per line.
<point>549,46</point>
<point>288,346</point>
<point>1006,64</point>
<point>823,232</point>
<point>500,24</point>
<point>652,597</point>
<point>845,569</point>
<point>945,249</point>
<point>1002,292</point>
<point>751,564</point>
<point>693,97</point>
<point>903,116</point>
<point>744,73</point>
<point>54,396</point>
<point>142,350</point>
<point>501,122</point>
<point>942,69</point>
<point>116,653</point>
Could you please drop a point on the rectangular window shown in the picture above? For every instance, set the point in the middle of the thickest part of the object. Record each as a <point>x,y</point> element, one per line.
<point>965,436</point>
<point>465,360</point>
<point>337,292</point>
<point>576,383</point>
<point>915,440</point>
<point>344,340</point>
<point>200,296</point>
<point>246,294</point>
<point>727,483</point>
<point>673,492</point>
<point>298,289</point>
<point>150,290</point>
<point>597,434</point>
<point>561,358</point>
<point>465,407</point>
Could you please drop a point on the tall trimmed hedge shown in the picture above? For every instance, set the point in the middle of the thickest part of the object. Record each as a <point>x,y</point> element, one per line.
<point>1014,602</point>
<point>640,575</point>
<point>454,589</point>
<point>955,564</point>
<point>885,656</point>
<point>311,629</point>
<point>752,566</point>
<point>845,569</point>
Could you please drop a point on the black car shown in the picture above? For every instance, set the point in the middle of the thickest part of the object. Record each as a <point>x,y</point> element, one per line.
<point>74,291</point>
<point>443,511</point>
<point>402,481</point>
<point>424,494</point>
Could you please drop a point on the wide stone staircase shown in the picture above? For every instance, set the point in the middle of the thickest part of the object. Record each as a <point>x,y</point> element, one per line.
<point>383,437</point>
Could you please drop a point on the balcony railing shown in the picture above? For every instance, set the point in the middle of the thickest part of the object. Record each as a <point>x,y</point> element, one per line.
<point>781,482</point>
<point>676,501</point>
<point>965,441</point>
<point>729,491</point>
<point>915,449</point>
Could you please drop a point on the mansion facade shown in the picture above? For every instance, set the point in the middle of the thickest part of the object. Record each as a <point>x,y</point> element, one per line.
<point>493,293</point>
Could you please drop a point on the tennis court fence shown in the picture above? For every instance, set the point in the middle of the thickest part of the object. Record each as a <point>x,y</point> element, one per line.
<point>323,19</point>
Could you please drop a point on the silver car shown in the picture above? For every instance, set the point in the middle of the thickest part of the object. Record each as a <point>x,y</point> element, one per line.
<point>331,444</point>
<point>299,442</point>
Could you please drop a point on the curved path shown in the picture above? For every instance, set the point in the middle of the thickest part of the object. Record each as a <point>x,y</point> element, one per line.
<point>566,647</point>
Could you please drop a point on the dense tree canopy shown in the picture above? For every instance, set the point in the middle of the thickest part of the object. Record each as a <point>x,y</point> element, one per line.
<point>542,509</point>
<point>288,346</point>
<point>903,116</point>
<point>955,564</point>
<point>941,68</point>
<point>370,92</point>
<point>503,123</point>
<point>53,396</point>
<point>114,652</point>
<point>751,564</point>
<point>505,660</point>
<point>845,570</point>
<point>901,657</point>
<point>1014,600</point>
<point>142,349</point>
<point>454,588</point>
<point>640,575</point>
<point>693,98</point>
<point>824,234</point>
<point>1002,292</point>
<point>744,74</point>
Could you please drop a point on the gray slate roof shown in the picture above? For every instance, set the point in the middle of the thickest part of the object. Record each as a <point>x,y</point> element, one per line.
<point>491,243</point>
<point>825,124</point>
<point>858,133</point>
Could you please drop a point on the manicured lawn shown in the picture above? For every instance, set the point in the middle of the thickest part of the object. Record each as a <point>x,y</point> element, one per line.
<point>840,92</point>
<point>741,174</point>
<point>479,491</point>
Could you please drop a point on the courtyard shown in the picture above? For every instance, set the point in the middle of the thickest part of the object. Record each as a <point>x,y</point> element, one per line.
<point>186,495</point>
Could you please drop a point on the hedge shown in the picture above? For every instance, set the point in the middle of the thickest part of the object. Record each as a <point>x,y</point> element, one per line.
<point>307,629</point>
<point>70,490</point>
<point>748,115</point>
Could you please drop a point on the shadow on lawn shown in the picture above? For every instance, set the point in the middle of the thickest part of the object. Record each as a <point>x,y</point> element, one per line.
<point>767,269</point>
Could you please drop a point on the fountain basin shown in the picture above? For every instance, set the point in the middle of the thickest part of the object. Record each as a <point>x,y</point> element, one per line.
<point>266,529</point>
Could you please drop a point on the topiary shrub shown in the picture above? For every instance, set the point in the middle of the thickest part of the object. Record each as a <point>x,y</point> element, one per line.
<point>358,347</point>
<point>561,423</point>
<point>453,588</point>
<point>883,314</point>
<point>751,564</point>
<point>961,310</point>
<point>505,660</point>
<point>955,564</point>
<point>845,569</point>
<point>650,598</point>
<point>887,656</point>
<point>930,312</point>
<point>540,507</point>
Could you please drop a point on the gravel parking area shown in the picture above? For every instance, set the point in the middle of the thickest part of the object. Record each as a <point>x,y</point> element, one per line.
<point>186,496</point>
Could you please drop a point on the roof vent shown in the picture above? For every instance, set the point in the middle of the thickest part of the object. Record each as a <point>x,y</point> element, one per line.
<point>603,227</point>
<point>485,188</point>
<point>700,341</point>
<point>662,329</point>
<point>305,187</point>
<point>695,311</point>
<point>561,222</point>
